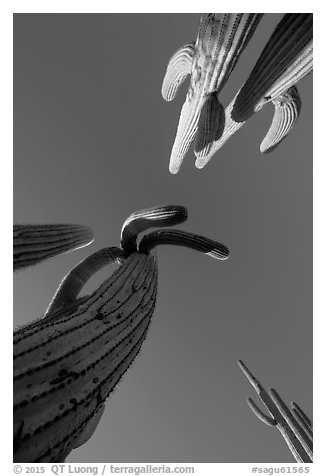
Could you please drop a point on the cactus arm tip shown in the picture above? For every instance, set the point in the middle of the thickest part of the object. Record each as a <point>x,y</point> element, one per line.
<point>182,238</point>
<point>287,107</point>
<point>254,382</point>
<point>179,67</point>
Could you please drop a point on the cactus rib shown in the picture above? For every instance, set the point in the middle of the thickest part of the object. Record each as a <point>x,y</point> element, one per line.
<point>177,70</point>
<point>210,125</point>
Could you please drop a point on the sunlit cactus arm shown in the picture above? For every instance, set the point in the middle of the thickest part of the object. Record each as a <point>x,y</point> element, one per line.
<point>221,39</point>
<point>285,60</point>
<point>35,243</point>
<point>287,109</point>
<point>68,363</point>
<point>210,125</point>
<point>177,70</point>
<point>281,417</point>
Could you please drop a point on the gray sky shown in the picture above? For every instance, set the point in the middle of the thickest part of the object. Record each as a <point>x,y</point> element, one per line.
<point>92,140</point>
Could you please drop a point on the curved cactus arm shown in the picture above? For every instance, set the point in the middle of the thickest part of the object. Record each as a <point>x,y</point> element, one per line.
<point>35,243</point>
<point>186,131</point>
<point>152,217</point>
<point>286,59</point>
<point>75,280</point>
<point>182,238</point>
<point>259,414</point>
<point>221,39</point>
<point>300,434</point>
<point>302,418</point>
<point>292,437</point>
<point>287,110</point>
<point>210,126</point>
<point>177,70</point>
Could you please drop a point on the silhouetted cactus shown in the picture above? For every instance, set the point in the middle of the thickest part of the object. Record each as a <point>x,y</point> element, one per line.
<point>68,363</point>
<point>35,243</point>
<point>221,39</point>
<point>295,426</point>
<point>286,58</point>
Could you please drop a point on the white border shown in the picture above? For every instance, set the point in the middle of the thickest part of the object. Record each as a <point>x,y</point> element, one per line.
<point>97,6</point>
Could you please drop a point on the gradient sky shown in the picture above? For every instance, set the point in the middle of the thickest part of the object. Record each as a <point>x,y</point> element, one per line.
<point>92,140</point>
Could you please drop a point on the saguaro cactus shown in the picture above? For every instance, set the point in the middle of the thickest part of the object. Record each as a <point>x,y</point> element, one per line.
<point>294,426</point>
<point>35,243</point>
<point>68,363</point>
<point>286,58</point>
<point>221,39</point>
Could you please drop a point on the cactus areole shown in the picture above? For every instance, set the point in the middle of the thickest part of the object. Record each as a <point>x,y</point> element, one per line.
<point>68,363</point>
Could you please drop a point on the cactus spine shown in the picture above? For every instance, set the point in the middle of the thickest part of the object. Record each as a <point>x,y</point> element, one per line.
<point>295,426</point>
<point>35,243</point>
<point>67,364</point>
<point>286,58</point>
